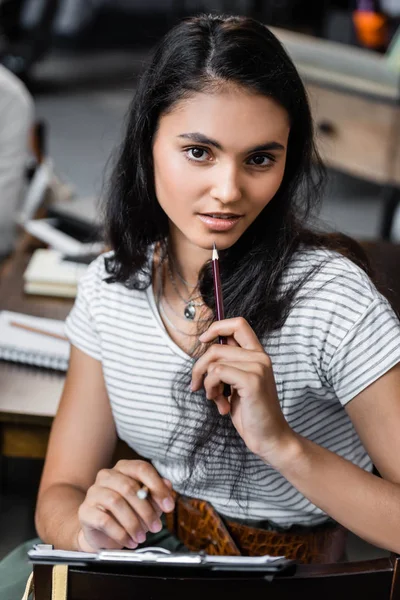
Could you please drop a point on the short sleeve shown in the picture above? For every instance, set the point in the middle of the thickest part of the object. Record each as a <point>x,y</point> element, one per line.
<point>80,325</point>
<point>369,349</point>
<point>345,327</point>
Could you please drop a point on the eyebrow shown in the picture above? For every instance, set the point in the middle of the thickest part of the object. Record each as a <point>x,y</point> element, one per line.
<point>202,139</point>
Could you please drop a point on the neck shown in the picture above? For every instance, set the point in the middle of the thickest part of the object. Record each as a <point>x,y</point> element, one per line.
<point>188,259</point>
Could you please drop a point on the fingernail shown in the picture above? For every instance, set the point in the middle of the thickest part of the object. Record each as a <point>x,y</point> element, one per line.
<point>140,537</point>
<point>132,544</point>
<point>168,504</point>
<point>156,526</point>
<point>191,386</point>
<point>202,336</point>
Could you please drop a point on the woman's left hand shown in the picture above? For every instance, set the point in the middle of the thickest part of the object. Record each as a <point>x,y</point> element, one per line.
<point>244,365</point>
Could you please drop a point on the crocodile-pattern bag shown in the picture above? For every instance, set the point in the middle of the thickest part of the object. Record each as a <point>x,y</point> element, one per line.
<point>199,527</point>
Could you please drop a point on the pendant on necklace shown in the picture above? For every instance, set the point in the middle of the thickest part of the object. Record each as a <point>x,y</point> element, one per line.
<point>190,311</point>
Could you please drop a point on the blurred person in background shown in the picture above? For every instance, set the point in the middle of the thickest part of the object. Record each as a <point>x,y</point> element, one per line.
<point>16,116</point>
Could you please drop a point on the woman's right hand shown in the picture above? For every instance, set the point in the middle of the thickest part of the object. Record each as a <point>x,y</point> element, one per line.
<point>113,517</point>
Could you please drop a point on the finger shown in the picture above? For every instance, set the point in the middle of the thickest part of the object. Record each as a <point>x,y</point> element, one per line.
<point>127,487</point>
<point>156,508</point>
<point>241,380</point>
<point>117,505</point>
<point>213,387</point>
<point>154,504</point>
<point>229,341</point>
<point>222,403</point>
<point>97,519</point>
<point>238,328</point>
<point>225,354</point>
<point>91,540</point>
<point>144,472</point>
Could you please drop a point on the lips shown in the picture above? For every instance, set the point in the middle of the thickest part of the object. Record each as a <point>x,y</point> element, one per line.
<point>221,215</point>
<point>219,221</point>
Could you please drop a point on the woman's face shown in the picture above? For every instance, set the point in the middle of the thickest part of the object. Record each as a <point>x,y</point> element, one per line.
<point>219,159</point>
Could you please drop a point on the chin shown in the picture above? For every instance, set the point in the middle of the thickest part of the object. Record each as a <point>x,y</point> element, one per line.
<point>222,240</point>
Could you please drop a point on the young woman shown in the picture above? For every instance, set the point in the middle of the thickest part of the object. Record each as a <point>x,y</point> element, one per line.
<point>219,148</point>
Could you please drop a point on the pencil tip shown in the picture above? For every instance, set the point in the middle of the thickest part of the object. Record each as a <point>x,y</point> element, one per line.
<point>214,246</point>
<point>214,252</point>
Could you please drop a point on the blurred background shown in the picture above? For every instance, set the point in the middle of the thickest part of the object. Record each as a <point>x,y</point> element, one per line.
<point>78,61</point>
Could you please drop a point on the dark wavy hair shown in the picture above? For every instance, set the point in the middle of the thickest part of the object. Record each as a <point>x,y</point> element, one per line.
<point>202,54</point>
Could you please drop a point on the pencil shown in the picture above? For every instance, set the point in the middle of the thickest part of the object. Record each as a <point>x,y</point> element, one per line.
<point>37,330</point>
<point>219,305</point>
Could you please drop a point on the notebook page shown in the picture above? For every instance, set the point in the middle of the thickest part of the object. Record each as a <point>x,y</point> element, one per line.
<point>20,345</point>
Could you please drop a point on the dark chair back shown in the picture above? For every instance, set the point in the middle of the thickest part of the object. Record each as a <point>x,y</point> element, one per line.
<point>376,579</point>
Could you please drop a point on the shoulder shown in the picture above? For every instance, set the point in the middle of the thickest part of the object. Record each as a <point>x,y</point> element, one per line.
<point>334,295</point>
<point>96,273</point>
<point>328,272</point>
<point>97,287</point>
<point>93,285</point>
<point>338,319</point>
<point>97,268</point>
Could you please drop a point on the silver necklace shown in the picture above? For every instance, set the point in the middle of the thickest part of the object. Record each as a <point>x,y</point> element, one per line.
<point>180,316</point>
<point>189,310</point>
<point>164,314</point>
<point>171,324</point>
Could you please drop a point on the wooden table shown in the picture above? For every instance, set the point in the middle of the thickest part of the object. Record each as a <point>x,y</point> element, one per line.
<point>29,396</point>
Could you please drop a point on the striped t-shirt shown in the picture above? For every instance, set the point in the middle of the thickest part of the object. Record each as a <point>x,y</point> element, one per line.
<point>339,337</point>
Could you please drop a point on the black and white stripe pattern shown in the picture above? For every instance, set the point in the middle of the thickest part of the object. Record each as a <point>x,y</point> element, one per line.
<point>340,336</point>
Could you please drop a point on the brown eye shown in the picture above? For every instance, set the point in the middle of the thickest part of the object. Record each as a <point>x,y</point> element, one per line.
<point>197,152</point>
<point>261,160</point>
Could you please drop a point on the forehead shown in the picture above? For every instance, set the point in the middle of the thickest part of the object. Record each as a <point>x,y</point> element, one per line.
<point>237,119</point>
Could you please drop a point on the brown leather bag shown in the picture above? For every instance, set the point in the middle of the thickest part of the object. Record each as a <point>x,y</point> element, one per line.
<point>199,527</point>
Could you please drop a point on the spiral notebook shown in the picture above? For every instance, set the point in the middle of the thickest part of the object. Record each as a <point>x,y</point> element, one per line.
<point>33,341</point>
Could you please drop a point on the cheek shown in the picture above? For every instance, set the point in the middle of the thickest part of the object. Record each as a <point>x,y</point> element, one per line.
<point>266,188</point>
<point>176,179</point>
<point>166,172</point>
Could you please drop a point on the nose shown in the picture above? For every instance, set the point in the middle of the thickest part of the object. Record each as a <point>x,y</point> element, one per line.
<point>226,185</point>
